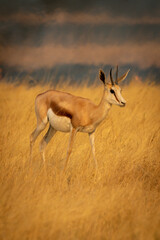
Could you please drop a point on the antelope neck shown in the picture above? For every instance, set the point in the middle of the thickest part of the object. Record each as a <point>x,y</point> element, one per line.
<point>104,102</point>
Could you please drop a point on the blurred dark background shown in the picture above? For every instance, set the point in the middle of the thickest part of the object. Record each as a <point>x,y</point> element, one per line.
<point>44,40</point>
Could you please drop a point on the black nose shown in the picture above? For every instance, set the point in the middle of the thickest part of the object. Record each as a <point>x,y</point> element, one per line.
<point>123,103</point>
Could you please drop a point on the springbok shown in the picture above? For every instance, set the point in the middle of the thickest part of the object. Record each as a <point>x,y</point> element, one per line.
<point>69,113</point>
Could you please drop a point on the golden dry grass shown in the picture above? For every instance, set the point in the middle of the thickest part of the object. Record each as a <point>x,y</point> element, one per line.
<point>121,202</point>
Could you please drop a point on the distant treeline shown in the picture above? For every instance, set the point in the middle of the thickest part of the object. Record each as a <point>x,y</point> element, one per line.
<point>74,73</point>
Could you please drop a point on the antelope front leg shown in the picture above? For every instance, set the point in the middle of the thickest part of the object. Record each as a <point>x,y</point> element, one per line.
<point>70,145</point>
<point>91,137</point>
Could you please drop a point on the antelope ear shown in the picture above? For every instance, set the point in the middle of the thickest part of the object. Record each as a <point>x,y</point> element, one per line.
<point>123,76</point>
<point>102,76</point>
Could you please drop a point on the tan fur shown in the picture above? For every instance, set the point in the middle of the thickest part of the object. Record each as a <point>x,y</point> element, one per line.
<point>83,114</point>
<point>81,111</point>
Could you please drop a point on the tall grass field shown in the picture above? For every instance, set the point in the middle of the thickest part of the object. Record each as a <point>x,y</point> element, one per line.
<point>120,201</point>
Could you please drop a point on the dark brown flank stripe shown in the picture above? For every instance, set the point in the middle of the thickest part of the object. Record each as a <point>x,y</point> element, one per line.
<point>60,111</point>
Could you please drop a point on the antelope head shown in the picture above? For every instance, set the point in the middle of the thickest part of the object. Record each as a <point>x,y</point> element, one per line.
<point>112,88</point>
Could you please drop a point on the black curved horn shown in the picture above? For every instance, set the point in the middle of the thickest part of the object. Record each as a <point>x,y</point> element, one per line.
<point>116,82</point>
<point>111,77</point>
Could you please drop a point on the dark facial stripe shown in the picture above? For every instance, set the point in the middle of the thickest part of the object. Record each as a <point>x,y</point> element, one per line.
<point>116,97</point>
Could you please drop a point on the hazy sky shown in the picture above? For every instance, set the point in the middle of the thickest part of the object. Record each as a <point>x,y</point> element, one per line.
<point>43,33</point>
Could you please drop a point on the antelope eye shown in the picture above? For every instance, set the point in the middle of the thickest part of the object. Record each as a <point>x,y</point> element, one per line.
<point>112,91</point>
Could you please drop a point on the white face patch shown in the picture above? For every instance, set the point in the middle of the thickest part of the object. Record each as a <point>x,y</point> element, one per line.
<point>62,124</point>
<point>114,96</point>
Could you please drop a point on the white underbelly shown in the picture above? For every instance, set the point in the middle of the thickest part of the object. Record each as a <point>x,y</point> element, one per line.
<point>63,124</point>
<point>59,123</point>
